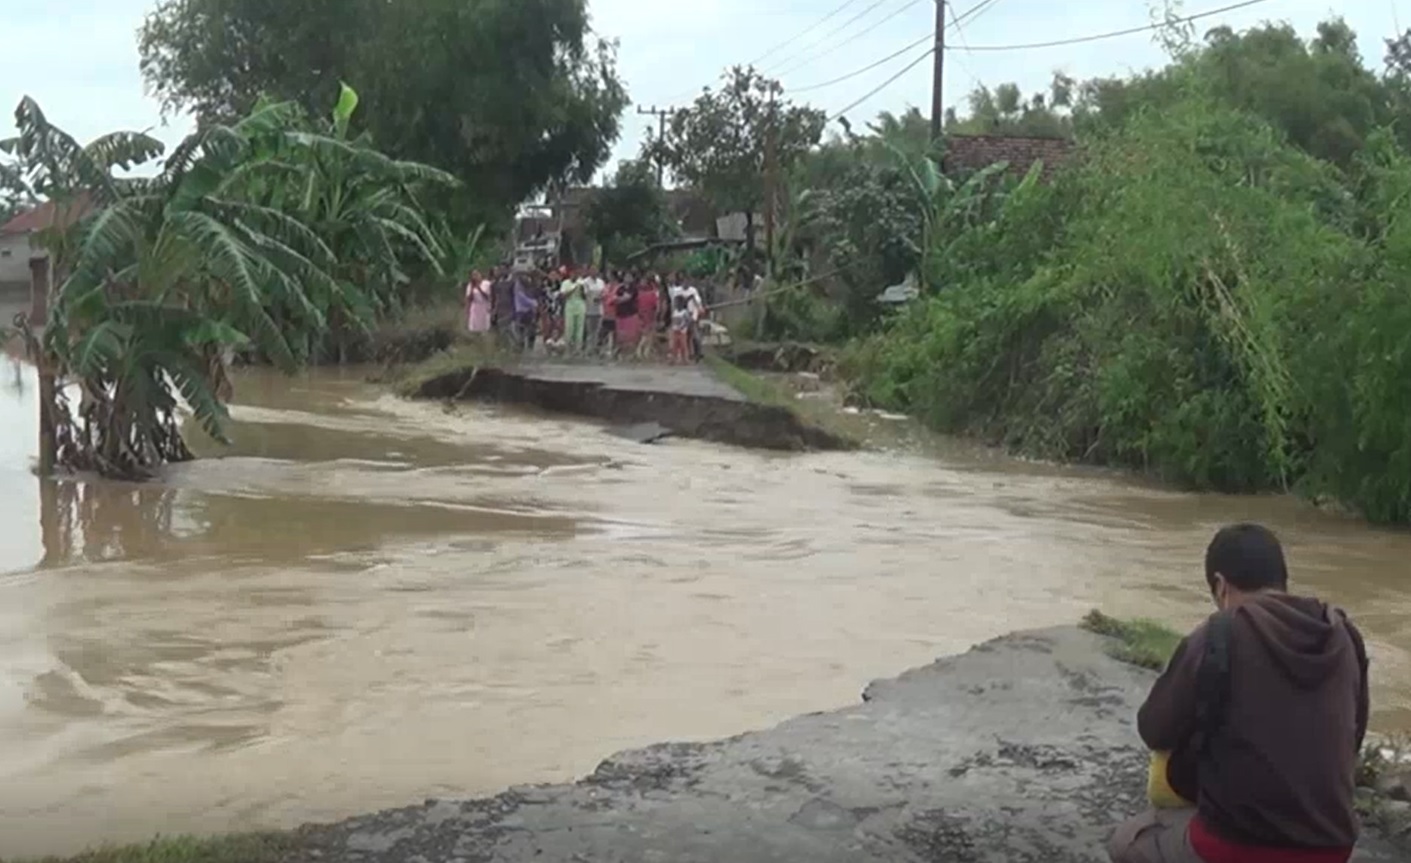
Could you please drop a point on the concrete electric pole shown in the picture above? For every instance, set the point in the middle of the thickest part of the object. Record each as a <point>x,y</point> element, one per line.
<point>938,82</point>
<point>771,183</point>
<point>661,116</point>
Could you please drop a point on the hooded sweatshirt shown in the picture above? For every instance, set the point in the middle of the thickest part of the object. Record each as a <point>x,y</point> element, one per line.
<point>1278,774</point>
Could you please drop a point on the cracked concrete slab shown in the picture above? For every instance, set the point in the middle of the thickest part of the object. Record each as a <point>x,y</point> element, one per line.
<point>1022,751</point>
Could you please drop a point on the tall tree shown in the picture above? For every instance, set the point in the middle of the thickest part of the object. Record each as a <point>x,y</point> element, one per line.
<point>720,144</point>
<point>1318,92</point>
<point>1398,57</point>
<point>1005,111</point>
<point>508,95</point>
<point>632,209</point>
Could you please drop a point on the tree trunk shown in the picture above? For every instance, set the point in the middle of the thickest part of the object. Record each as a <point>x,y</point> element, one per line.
<point>48,403</point>
<point>39,290</point>
<point>51,522</point>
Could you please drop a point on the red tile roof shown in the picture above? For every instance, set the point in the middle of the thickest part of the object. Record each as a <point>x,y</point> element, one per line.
<point>43,217</point>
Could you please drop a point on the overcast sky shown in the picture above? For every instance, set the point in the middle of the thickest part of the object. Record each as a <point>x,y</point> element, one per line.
<point>79,57</point>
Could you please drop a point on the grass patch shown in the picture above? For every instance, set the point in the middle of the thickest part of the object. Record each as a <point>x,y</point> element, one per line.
<point>244,848</point>
<point>820,413</point>
<point>786,356</point>
<point>407,380</point>
<point>756,389</point>
<point>1145,643</point>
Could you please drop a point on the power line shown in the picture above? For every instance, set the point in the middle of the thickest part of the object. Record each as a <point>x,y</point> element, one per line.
<point>807,30</point>
<point>1115,33</point>
<point>853,74</point>
<point>960,34</point>
<point>835,31</point>
<point>973,11</point>
<point>1055,44</point>
<point>885,84</point>
<point>797,36</point>
<point>865,31</point>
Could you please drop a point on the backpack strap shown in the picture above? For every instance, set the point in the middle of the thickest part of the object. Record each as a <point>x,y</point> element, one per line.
<point>1359,646</point>
<point>1213,680</point>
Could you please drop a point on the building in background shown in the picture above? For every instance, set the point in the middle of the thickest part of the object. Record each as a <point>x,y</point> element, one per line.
<point>555,233</point>
<point>15,253</point>
<point>966,153</point>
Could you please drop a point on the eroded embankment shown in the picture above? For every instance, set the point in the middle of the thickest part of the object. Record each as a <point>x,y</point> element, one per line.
<point>1021,751</point>
<point>675,398</point>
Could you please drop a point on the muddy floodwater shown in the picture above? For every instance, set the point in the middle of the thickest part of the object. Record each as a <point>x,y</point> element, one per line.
<point>367,602</point>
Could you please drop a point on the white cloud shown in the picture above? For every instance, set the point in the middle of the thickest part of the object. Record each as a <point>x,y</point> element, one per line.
<point>79,57</point>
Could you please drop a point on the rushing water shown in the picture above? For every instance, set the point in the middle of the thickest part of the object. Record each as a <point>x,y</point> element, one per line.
<point>368,602</point>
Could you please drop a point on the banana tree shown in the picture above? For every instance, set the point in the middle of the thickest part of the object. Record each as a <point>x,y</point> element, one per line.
<point>169,275</point>
<point>948,208</point>
<point>365,206</point>
<point>46,163</point>
<point>253,235</point>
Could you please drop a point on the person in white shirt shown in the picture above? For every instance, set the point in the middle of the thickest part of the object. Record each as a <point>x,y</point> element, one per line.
<point>594,288</point>
<point>694,304</point>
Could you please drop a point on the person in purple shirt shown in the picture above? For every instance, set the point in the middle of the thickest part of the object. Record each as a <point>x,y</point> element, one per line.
<point>526,307</point>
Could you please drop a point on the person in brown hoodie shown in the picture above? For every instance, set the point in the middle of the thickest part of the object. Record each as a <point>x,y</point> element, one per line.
<point>1264,709</point>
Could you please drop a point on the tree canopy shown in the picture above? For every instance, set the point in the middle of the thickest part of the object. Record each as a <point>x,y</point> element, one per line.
<point>720,143</point>
<point>631,210</point>
<point>507,95</point>
<point>1213,292</point>
<point>1006,111</point>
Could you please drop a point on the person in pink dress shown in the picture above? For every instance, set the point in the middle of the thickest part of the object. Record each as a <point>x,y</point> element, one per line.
<point>648,299</point>
<point>477,303</point>
<point>628,323</point>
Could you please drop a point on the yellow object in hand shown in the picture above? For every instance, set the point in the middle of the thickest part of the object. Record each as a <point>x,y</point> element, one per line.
<point>1158,789</point>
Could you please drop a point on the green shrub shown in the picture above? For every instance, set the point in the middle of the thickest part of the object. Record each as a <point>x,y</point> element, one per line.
<point>1198,299</point>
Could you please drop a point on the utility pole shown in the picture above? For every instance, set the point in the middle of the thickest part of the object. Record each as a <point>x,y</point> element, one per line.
<point>937,84</point>
<point>661,116</point>
<point>771,183</point>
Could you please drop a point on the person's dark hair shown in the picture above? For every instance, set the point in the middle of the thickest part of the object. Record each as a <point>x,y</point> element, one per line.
<point>1249,557</point>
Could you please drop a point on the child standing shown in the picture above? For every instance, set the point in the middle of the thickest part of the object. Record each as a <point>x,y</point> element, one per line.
<point>680,330</point>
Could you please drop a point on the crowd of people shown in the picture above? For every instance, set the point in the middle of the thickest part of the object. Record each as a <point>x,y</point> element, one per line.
<point>581,312</point>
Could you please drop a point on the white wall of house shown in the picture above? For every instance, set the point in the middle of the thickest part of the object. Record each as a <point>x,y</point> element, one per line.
<point>14,259</point>
<point>732,227</point>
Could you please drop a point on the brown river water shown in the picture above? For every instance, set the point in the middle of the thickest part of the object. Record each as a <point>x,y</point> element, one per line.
<point>366,602</point>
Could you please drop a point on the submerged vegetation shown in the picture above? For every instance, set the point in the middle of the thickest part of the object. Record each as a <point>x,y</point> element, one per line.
<point>275,236</point>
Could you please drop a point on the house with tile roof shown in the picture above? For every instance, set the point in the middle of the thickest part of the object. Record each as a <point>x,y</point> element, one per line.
<point>25,280</point>
<point>965,153</point>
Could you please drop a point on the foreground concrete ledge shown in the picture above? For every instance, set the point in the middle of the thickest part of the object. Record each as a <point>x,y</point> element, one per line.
<point>1020,751</point>
<point>687,400</point>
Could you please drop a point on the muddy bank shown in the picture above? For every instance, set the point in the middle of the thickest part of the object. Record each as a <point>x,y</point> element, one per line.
<point>1021,751</point>
<point>688,401</point>
<point>780,357</point>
